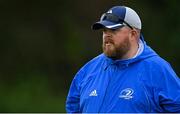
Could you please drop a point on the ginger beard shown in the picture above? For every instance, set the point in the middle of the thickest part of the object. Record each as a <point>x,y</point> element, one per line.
<point>116,50</point>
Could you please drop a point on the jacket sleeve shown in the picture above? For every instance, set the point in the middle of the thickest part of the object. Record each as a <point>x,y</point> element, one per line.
<point>73,98</point>
<point>168,89</point>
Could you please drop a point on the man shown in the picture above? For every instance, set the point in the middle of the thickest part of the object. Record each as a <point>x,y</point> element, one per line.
<point>129,76</point>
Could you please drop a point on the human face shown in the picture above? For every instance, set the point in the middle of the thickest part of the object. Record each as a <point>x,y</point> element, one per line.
<point>116,43</point>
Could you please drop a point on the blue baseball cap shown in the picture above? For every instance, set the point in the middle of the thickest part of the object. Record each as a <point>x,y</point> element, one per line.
<point>117,17</point>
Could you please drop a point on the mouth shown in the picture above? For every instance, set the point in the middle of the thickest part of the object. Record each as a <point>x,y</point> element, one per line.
<point>108,43</point>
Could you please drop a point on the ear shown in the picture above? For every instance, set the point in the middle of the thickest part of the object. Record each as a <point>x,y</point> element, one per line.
<point>133,34</point>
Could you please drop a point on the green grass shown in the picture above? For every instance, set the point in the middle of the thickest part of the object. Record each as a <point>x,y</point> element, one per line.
<point>31,95</point>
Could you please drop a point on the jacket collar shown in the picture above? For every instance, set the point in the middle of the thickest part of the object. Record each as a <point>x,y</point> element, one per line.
<point>146,52</point>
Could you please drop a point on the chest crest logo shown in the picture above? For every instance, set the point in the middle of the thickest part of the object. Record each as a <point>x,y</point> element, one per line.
<point>126,93</point>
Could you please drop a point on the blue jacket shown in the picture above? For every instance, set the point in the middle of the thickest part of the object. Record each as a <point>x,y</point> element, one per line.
<point>146,83</point>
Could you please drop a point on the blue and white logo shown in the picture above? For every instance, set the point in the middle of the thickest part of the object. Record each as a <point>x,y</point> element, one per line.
<point>126,93</point>
<point>110,11</point>
<point>93,93</point>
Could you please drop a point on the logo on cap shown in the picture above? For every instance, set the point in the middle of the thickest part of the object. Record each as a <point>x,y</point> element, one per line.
<point>110,11</point>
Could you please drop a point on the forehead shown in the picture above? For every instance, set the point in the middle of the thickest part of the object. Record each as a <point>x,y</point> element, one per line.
<point>123,28</point>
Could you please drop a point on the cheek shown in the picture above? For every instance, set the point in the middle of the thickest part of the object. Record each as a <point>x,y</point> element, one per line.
<point>120,38</point>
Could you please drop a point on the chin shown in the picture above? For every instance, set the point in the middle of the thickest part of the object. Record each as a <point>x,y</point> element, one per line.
<point>109,54</point>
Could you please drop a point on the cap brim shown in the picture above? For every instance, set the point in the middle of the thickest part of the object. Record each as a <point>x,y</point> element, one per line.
<point>106,24</point>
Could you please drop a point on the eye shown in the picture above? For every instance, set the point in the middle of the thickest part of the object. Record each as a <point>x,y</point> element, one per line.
<point>109,30</point>
<point>104,30</point>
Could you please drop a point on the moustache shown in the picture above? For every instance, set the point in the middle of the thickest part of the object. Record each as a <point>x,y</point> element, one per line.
<point>108,40</point>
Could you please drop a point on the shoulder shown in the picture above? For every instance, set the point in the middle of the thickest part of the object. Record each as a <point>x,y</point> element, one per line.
<point>157,62</point>
<point>94,63</point>
<point>90,67</point>
<point>158,70</point>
